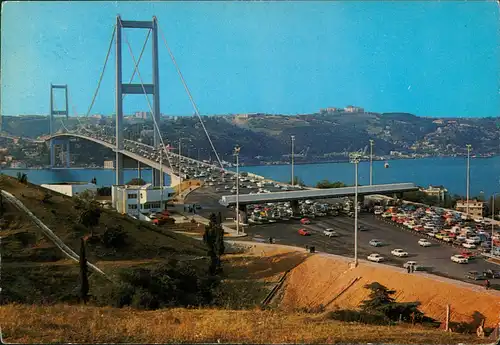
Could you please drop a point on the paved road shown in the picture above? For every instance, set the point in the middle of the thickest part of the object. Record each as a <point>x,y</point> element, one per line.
<point>436,257</point>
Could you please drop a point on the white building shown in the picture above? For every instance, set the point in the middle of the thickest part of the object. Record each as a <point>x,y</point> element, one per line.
<point>132,199</point>
<point>109,164</point>
<point>436,191</point>
<point>72,188</point>
<point>476,208</point>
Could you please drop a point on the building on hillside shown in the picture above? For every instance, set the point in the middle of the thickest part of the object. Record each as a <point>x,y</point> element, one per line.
<point>109,164</point>
<point>476,207</point>
<point>71,188</point>
<point>353,109</point>
<point>132,199</point>
<point>438,122</point>
<point>436,191</point>
<point>330,110</point>
<point>18,165</point>
<point>142,115</point>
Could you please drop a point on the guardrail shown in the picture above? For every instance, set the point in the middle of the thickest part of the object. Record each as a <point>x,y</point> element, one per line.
<point>48,232</point>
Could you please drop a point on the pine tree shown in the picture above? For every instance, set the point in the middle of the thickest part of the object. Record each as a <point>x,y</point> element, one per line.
<point>84,281</point>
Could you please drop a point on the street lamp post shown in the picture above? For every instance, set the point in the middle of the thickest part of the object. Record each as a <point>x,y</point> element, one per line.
<point>469,146</point>
<point>237,154</point>
<point>180,177</point>
<point>493,219</point>
<point>293,177</point>
<point>355,158</point>
<point>371,162</point>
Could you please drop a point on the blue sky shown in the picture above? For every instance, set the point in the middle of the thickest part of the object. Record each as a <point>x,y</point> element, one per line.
<point>428,58</point>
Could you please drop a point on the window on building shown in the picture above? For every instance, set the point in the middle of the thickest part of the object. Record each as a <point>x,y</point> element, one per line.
<point>132,196</point>
<point>132,207</point>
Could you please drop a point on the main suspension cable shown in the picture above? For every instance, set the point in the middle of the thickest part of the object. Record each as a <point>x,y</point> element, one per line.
<point>189,94</point>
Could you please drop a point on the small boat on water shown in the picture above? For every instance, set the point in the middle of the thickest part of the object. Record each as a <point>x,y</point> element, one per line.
<point>386,165</point>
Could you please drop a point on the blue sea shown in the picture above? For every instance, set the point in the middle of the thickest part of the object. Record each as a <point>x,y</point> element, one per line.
<point>449,172</point>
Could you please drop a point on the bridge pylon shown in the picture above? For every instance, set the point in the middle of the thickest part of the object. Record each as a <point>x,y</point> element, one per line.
<point>63,143</point>
<point>122,89</point>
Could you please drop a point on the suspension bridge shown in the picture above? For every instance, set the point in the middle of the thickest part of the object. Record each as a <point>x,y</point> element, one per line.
<point>157,156</point>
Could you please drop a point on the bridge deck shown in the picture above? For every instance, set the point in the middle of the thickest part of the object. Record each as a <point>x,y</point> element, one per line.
<point>228,200</point>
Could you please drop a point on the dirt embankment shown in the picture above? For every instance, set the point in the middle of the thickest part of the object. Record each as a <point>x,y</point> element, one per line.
<point>321,278</point>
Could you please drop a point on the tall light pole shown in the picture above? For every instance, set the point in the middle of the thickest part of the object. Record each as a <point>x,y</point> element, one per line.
<point>371,162</point>
<point>355,158</point>
<point>237,154</point>
<point>469,146</point>
<point>493,219</point>
<point>293,177</point>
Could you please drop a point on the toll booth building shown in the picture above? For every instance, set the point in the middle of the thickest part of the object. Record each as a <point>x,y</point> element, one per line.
<point>131,199</point>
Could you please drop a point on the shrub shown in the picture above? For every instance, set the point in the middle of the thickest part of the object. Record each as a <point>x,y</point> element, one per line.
<point>114,237</point>
<point>349,315</point>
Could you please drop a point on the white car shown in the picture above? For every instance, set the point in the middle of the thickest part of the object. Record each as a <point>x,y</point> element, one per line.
<point>375,243</point>
<point>330,233</point>
<point>416,267</point>
<point>469,245</point>
<point>399,253</point>
<point>375,257</point>
<point>460,259</point>
<point>424,243</point>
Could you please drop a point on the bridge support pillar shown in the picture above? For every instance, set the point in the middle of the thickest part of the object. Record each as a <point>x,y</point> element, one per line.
<point>139,172</point>
<point>52,154</point>
<point>156,177</point>
<point>295,207</point>
<point>67,156</point>
<point>119,168</point>
<point>242,212</point>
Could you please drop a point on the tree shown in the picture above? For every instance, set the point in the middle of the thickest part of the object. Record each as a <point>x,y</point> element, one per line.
<point>22,177</point>
<point>104,191</point>
<point>379,298</point>
<point>90,217</point>
<point>94,181</point>
<point>84,280</point>
<point>136,182</point>
<point>297,181</point>
<point>328,184</point>
<point>214,240</point>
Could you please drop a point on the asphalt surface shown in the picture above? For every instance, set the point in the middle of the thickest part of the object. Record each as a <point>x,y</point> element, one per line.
<point>436,258</point>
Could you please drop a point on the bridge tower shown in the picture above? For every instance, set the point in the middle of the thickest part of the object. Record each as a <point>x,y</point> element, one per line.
<point>122,89</point>
<point>62,143</point>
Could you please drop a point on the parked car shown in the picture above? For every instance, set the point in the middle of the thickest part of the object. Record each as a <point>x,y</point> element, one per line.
<point>492,274</point>
<point>375,257</point>
<point>424,243</point>
<point>375,243</point>
<point>469,245</point>
<point>475,275</point>
<point>459,259</point>
<point>304,232</point>
<point>399,253</point>
<point>330,233</point>
<point>305,221</point>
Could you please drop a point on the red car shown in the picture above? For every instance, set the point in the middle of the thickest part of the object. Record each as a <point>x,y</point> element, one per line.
<point>468,255</point>
<point>304,232</point>
<point>305,221</point>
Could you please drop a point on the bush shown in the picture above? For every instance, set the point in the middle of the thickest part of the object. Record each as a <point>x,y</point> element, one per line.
<point>349,315</point>
<point>114,237</point>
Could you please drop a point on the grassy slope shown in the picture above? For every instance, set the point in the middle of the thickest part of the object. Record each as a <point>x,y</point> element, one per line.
<point>60,323</point>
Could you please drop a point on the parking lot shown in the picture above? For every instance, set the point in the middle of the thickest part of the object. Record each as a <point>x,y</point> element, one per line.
<point>436,258</point>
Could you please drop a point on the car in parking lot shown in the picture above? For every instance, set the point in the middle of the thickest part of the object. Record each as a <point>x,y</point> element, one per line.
<point>459,259</point>
<point>375,243</point>
<point>330,232</point>
<point>399,253</point>
<point>304,232</point>
<point>469,245</point>
<point>424,243</point>
<point>492,274</point>
<point>305,221</point>
<point>475,275</point>
<point>375,257</point>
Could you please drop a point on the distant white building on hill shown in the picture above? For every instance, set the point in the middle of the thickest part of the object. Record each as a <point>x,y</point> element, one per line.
<point>71,188</point>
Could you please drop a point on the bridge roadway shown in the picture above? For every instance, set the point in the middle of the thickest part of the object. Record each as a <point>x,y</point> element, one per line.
<point>229,200</point>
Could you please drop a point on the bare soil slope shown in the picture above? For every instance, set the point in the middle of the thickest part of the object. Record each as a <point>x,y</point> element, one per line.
<point>321,278</point>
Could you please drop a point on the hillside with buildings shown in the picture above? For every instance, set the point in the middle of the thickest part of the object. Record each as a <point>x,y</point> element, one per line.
<point>327,135</point>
